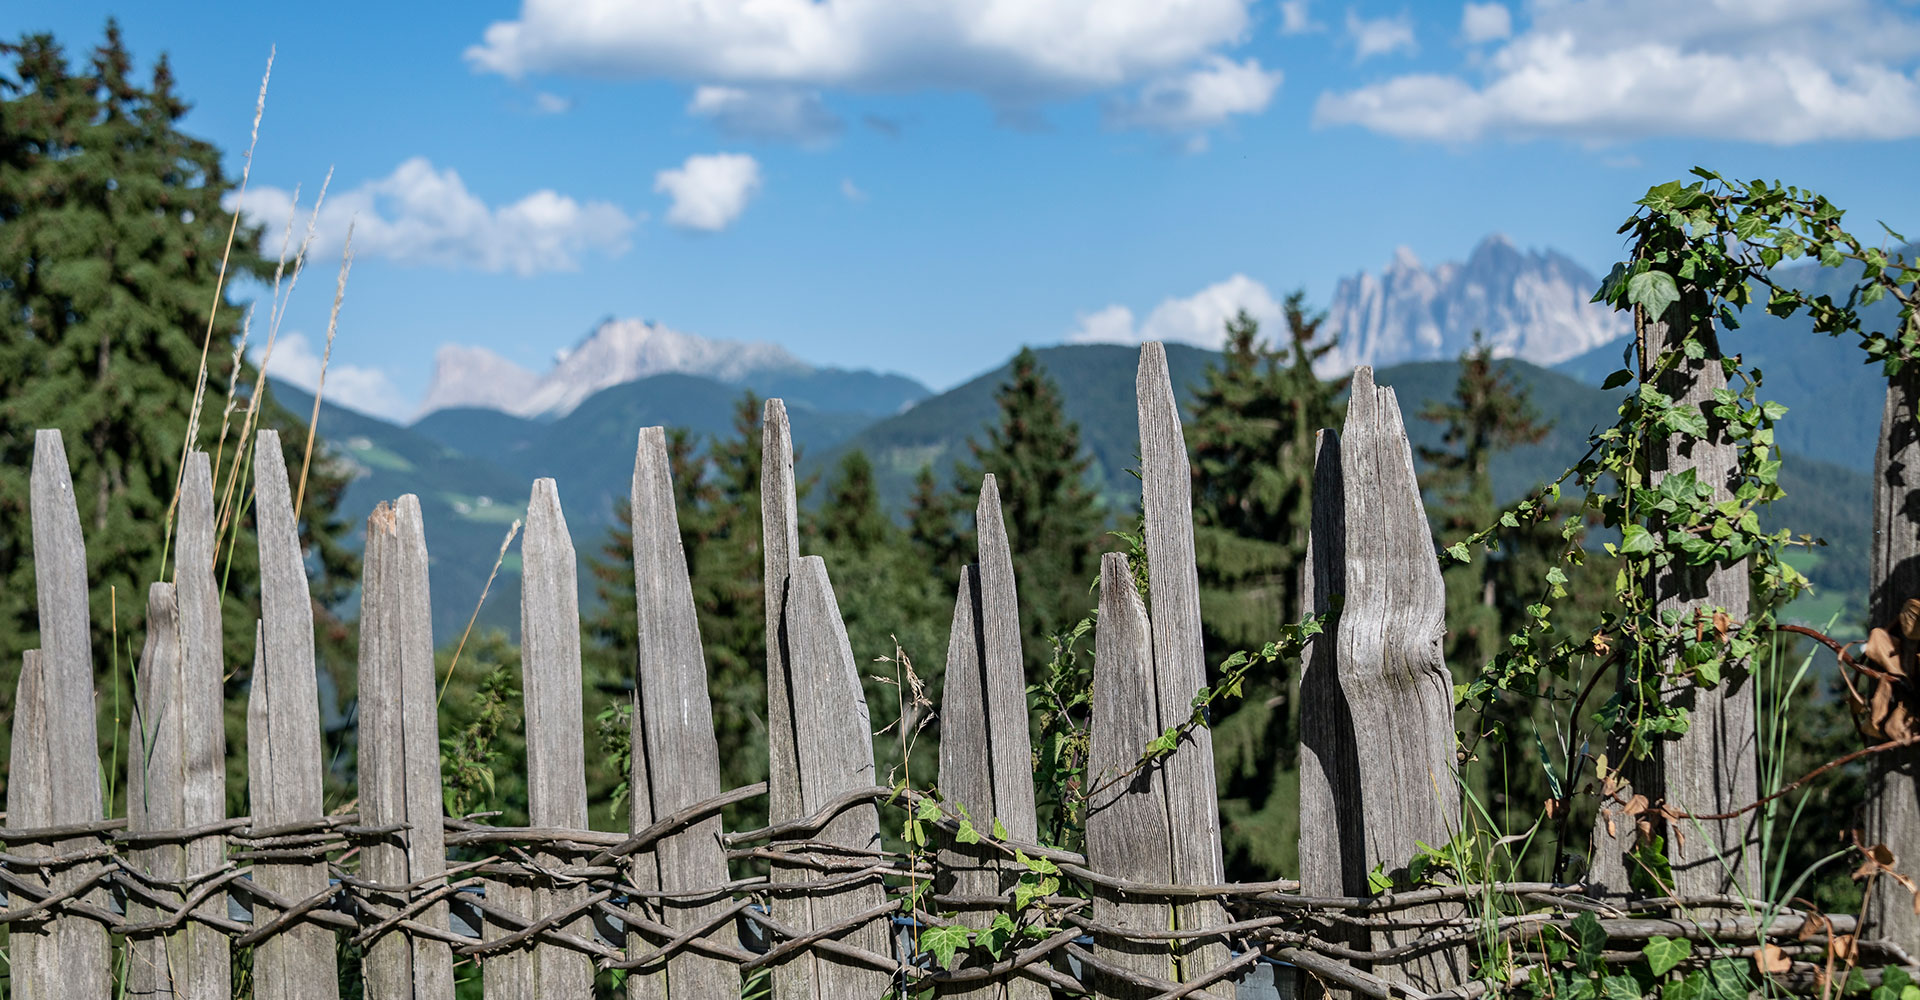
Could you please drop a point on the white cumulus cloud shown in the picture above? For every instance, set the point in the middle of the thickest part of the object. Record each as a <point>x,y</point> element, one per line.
<point>1015,53</point>
<point>1200,318</point>
<point>420,215</point>
<point>709,192</point>
<point>1485,22</point>
<point>766,113</point>
<point>296,361</point>
<point>1380,36</point>
<point>1770,71</point>
<point>1204,97</point>
<point>1295,19</point>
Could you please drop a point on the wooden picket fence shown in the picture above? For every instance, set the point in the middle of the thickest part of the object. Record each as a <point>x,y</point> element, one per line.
<point>181,886</point>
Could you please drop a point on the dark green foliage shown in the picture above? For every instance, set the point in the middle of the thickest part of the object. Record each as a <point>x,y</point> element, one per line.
<point>111,242</point>
<point>1054,519</point>
<point>1250,440</point>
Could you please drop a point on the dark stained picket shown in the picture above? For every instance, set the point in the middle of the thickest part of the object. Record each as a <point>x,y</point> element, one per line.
<point>201,967</point>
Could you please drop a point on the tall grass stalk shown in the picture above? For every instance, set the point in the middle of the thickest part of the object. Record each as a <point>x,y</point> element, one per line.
<point>213,313</point>
<point>453,664</point>
<point>319,388</point>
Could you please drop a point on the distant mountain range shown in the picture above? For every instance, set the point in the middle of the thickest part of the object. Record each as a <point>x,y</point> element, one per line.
<point>1531,305</point>
<point>491,427</point>
<point>622,351</point>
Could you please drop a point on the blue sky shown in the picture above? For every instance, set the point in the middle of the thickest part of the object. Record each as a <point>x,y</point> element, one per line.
<point>924,185</point>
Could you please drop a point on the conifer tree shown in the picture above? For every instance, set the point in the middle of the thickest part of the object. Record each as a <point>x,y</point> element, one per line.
<point>1251,445</point>
<point>1054,518</point>
<point>112,234</point>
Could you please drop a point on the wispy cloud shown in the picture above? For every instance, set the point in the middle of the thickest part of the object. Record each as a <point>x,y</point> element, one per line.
<point>1200,318</point>
<point>709,192</point>
<point>423,216</point>
<point>1485,22</point>
<point>1200,99</point>
<point>1296,19</point>
<point>1380,36</point>
<point>1771,71</point>
<point>368,390</point>
<point>767,113</point>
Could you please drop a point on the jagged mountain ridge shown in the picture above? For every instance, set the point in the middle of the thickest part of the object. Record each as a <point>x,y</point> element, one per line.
<point>619,351</point>
<point>1529,304</point>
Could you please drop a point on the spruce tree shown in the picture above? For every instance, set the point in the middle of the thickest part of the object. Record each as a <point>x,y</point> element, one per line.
<point>112,234</point>
<point>1251,444</point>
<point>1054,519</point>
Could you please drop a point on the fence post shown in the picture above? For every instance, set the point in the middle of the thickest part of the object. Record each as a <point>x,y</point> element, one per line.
<point>1179,663</point>
<point>400,752</point>
<point>283,741</point>
<point>1893,809</point>
<point>1378,766</point>
<point>154,793</point>
<point>1714,766</point>
<point>673,731</point>
<point>794,977</point>
<point>72,958</point>
<point>202,968</point>
<point>550,693</point>
<point>1127,827</point>
<point>986,752</point>
<point>834,742</point>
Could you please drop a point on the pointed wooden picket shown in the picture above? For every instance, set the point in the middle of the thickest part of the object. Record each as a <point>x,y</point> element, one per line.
<point>154,793</point>
<point>73,958</point>
<point>202,966</point>
<point>1179,662</point>
<point>400,750</point>
<point>1127,825</point>
<point>1893,803</point>
<point>677,748</point>
<point>1379,773</point>
<point>283,739</point>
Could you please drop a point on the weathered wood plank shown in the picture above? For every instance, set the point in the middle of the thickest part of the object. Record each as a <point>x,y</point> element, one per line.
<point>793,978</point>
<point>283,736</point>
<point>966,770</point>
<point>1390,681</point>
<point>33,953</point>
<point>400,749</point>
<point>681,754</point>
<point>1127,825</point>
<point>1180,666</point>
<point>649,982</point>
<point>1893,809</point>
<point>202,967</point>
<point>80,949</point>
<point>1003,664</point>
<point>1714,766</point>
<point>836,756</point>
<point>556,738</point>
<point>154,792</point>
<point>1331,850</point>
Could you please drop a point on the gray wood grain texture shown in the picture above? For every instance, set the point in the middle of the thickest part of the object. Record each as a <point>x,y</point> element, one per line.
<point>1714,766</point>
<point>1389,676</point>
<point>681,753</point>
<point>33,952</point>
<point>1003,663</point>
<point>1330,851</point>
<point>836,756</point>
<point>80,949</point>
<point>1180,666</point>
<point>1893,805</point>
<point>973,749</point>
<point>400,748</point>
<point>202,968</point>
<point>643,870</point>
<point>1127,820</point>
<point>793,978</point>
<point>154,792</point>
<point>966,771</point>
<point>551,692</point>
<point>283,735</point>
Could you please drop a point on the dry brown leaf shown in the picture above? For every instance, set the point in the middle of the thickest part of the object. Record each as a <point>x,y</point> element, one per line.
<point>1636,805</point>
<point>1910,618</point>
<point>1771,960</point>
<point>1882,855</point>
<point>1722,624</point>
<point>1845,948</point>
<point>1600,644</point>
<point>1816,923</point>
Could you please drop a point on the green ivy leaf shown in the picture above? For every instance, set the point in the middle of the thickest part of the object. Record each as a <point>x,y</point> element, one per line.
<point>1590,941</point>
<point>1663,953</point>
<point>1620,988</point>
<point>1618,379</point>
<point>943,942</point>
<point>966,834</point>
<point>1000,830</point>
<point>1653,291</point>
<point>1637,540</point>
